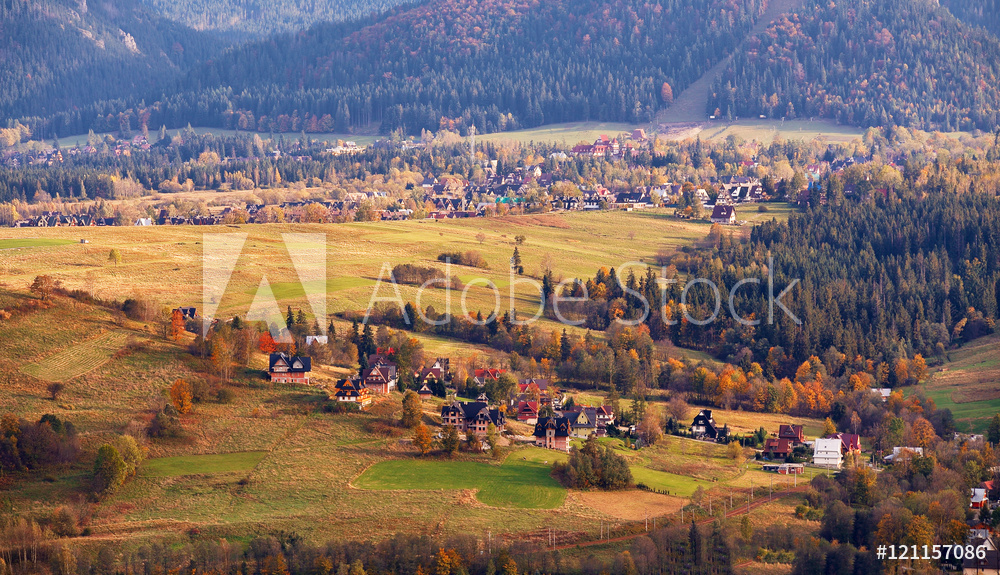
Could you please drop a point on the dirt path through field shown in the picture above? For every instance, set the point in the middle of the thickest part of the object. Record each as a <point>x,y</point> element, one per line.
<point>688,110</point>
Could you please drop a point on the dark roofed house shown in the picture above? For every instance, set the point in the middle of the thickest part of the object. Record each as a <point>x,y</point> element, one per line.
<point>437,371</point>
<point>553,433</point>
<point>989,564</point>
<point>704,426</point>
<point>284,368</point>
<point>352,391</point>
<point>583,422</point>
<point>425,392</point>
<point>475,416</point>
<point>381,377</point>
<point>525,384</point>
<point>723,214</point>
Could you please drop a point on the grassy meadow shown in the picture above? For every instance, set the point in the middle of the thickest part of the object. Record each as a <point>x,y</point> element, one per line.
<point>966,384</point>
<point>270,459</point>
<point>163,263</point>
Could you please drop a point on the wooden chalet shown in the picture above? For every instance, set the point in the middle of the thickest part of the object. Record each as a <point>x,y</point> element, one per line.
<point>527,411</point>
<point>284,368</point>
<point>380,377</point>
<point>425,392</point>
<point>352,391</point>
<point>704,426</point>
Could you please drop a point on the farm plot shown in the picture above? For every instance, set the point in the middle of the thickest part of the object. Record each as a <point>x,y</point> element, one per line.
<point>78,359</point>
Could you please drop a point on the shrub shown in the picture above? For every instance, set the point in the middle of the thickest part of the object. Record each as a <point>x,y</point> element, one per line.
<point>109,470</point>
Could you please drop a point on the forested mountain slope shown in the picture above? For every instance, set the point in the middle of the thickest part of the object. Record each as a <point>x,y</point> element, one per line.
<point>500,64</point>
<point>985,13</point>
<point>58,54</point>
<point>864,62</point>
<point>242,18</point>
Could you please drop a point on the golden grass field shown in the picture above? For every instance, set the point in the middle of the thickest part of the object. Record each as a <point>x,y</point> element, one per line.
<point>164,262</point>
<point>274,461</point>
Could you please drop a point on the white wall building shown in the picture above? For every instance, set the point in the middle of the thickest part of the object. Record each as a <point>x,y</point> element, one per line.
<point>826,453</point>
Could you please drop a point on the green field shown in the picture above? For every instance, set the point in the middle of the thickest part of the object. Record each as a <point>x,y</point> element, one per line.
<point>523,481</point>
<point>672,483</point>
<point>966,384</point>
<point>202,464</point>
<point>15,243</point>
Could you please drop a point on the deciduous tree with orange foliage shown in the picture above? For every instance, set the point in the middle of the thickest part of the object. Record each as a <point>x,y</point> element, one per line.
<point>180,396</point>
<point>176,324</point>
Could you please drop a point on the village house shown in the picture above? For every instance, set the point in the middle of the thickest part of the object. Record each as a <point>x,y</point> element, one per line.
<point>783,468</point>
<point>793,433</point>
<point>901,453</point>
<point>553,433</point>
<point>988,565</point>
<point>977,498</point>
<point>481,376</point>
<point>352,391</point>
<point>436,372</point>
<point>527,411</point>
<point>723,214</point>
<point>283,368</point>
<point>425,392</point>
<point>380,376</point>
<point>826,453</point>
<point>582,424</point>
<point>704,427</point>
<point>849,442</point>
<point>775,448</point>
<point>475,416</point>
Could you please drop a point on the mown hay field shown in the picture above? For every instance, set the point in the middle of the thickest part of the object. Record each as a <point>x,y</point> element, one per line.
<point>78,359</point>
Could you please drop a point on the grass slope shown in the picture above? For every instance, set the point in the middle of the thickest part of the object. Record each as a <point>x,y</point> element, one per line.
<point>202,464</point>
<point>966,384</point>
<point>78,359</point>
<point>522,482</point>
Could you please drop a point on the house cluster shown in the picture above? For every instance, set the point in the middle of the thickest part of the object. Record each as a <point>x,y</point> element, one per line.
<point>52,156</point>
<point>54,219</point>
<point>380,377</point>
<point>829,452</point>
<point>607,147</point>
<point>555,431</point>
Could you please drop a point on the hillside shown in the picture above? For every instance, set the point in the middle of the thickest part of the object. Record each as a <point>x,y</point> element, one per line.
<point>239,18</point>
<point>869,64</point>
<point>61,54</point>
<point>985,13</point>
<point>498,64</point>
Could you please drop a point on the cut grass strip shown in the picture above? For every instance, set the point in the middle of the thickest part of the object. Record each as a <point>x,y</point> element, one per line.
<point>78,359</point>
<point>202,464</point>
<point>33,243</point>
